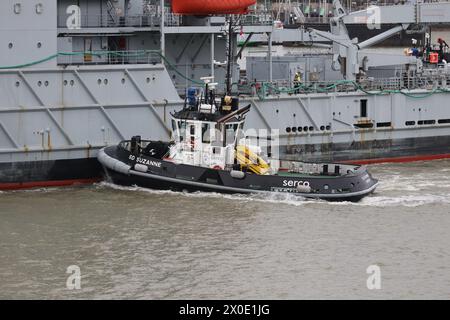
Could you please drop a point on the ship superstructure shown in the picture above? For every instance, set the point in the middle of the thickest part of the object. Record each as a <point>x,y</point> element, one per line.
<point>354,104</point>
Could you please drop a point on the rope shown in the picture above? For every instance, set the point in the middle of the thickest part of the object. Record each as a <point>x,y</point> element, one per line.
<point>103,53</point>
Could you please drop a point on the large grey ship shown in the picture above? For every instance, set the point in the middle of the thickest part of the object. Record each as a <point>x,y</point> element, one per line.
<point>76,76</point>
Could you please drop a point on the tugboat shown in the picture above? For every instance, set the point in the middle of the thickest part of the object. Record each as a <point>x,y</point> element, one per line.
<point>210,152</point>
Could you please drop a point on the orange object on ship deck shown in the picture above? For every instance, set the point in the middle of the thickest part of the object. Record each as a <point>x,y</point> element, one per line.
<point>206,7</point>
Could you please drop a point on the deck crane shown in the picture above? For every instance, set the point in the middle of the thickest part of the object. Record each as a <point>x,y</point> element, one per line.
<point>348,54</point>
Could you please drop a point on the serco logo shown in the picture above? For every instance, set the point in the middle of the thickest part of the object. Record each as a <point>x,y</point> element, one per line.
<point>295,183</point>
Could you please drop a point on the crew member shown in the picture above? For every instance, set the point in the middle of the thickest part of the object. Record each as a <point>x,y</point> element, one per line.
<point>227,101</point>
<point>297,81</point>
<point>442,45</point>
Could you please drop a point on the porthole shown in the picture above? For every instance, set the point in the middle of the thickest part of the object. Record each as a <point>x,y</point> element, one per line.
<point>39,45</point>
<point>46,83</point>
<point>17,83</point>
<point>294,129</point>
<point>99,81</point>
<point>322,128</point>
<point>328,127</point>
<point>300,129</point>
<point>277,111</point>
<point>39,83</point>
<point>311,129</point>
<point>123,80</point>
<point>294,115</point>
<point>305,128</point>
<point>148,80</point>
<point>72,83</point>
<point>288,130</point>
<point>105,81</point>
<point>10,45</point>
<point>17,8</point>
<point>39,8</point>
<point>65,82</point>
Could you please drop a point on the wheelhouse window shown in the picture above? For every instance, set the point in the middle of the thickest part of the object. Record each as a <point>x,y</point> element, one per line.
<point>182,130</point>
<point>230,132</point>
<point>206,133</point>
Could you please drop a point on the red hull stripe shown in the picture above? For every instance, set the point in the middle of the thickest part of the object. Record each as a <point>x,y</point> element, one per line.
<point>400,159</point>
<point>44,184</point>
<point>61,183</point>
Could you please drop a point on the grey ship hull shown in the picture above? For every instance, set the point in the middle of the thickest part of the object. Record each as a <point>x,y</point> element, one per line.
<point>56,115</point>
<point>25,175</point>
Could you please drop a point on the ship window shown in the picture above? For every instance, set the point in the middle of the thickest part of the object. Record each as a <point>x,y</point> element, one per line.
<point>305,128</point>
<point>17,83</point>
<point>410,123</point>
<point>230,133</point>
<point>10,45</point>
<point>363,108</point>
<point>39,8</point>
<point>442,121</point>
<point>328,127</point>
<point>383,124</point>
<point>65,82</point>
<point>322,128</point>
<point>182,128</point>
<point>46,83</point>
<point>39,44</point>
<point>174,125</point>
<point>288,129</point>
<point>311,128</point>
<point>299,129</point>
<point>17,8</point>
<point>206,134</point>
<point>422,122</point>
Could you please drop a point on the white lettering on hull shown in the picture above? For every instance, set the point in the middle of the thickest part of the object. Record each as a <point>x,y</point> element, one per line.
<point>146,161</point>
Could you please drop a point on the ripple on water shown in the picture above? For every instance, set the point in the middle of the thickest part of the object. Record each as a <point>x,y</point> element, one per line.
<point>378,199</point>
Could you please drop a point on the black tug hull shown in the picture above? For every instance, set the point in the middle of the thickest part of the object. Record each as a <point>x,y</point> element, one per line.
<point>164,175</point>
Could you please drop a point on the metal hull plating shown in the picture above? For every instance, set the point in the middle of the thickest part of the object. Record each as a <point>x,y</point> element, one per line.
<point>73,123</point>
<point>60,112</point>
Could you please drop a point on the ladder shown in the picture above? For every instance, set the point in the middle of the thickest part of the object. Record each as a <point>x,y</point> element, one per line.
<point>111,12</point>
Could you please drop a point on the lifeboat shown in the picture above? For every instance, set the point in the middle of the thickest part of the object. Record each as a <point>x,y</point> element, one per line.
<point>207,7</point>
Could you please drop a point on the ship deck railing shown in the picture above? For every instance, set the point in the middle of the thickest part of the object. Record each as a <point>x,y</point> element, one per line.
<point>153,20</point>
<point>111,21</point>
<point>110,57</point>
<point>377,85</point>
